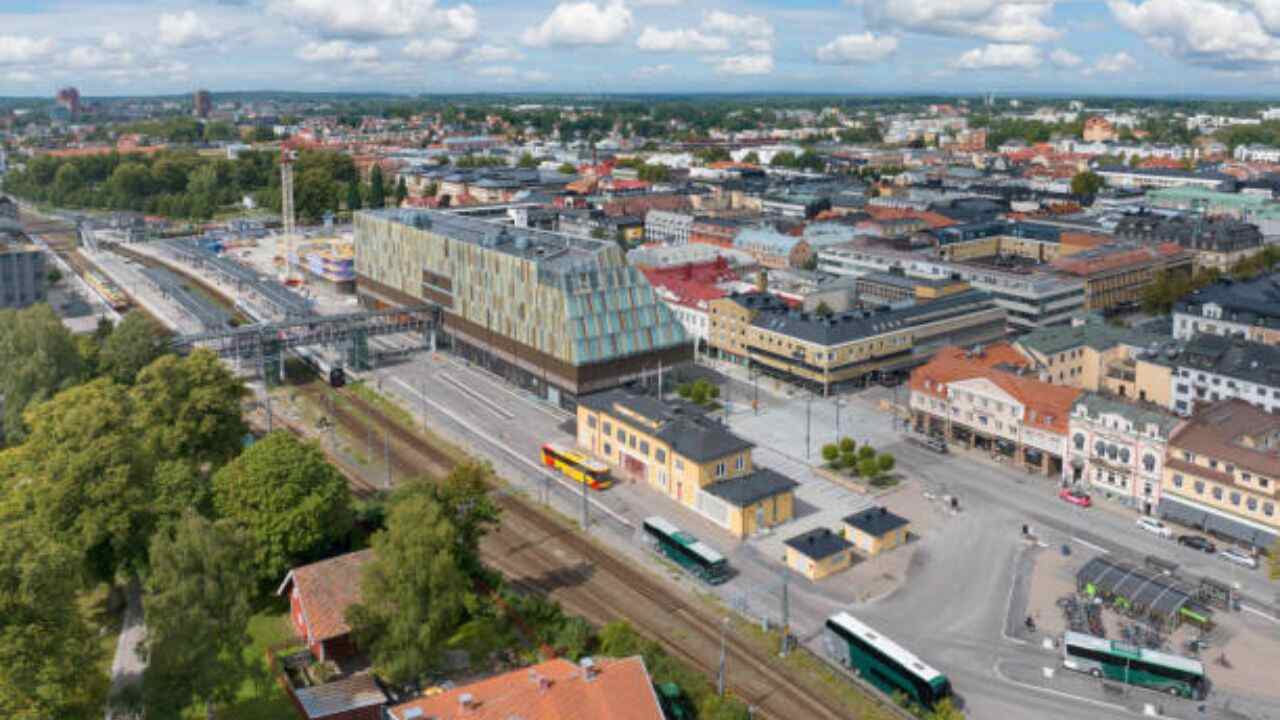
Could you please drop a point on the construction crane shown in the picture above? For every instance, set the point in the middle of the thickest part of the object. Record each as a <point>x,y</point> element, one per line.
<point>292,273</point>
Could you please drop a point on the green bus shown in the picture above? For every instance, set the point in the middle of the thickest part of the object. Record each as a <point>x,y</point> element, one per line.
<point>882,662</point>
<point>686,550</point>
<point>1132,665</point>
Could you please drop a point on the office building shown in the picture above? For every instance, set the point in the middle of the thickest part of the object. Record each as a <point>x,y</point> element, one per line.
<point>1117,275</point>
<point>559,315</point>
<point>68,98</point>
<point>201,104</point>
<point>22,268</point>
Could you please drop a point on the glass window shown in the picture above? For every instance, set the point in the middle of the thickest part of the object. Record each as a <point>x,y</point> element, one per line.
<point>1235,498</point>
<point>1100,448</point>
<point>719,469</point>
<point>622,435</point>
<point>644,448</point>
<point>608,449</point>
<point>679,464</point>
<point>660,455</point>
<point>591,421</point>
<point>1079,440</point>
<point>1263,482</point>
<point>1252,504</point>
<point>1199,487</point>
<point>607,427</point>
<point>1149,462</point>
<point>1217,493</point>
<point>1268,509</point>
<point>739,463</point>
<point>1177,481</point>
<point>1124,455</point>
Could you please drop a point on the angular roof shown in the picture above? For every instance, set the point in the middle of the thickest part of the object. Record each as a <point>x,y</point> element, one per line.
<point>877,521</point>
<point>818,543</point>
<point>749,489</point>
<point>326,589</point>
<point>1235,432</point>
<point>1252,302</point>
<point>853,325</point>
<point>1093,333</point>
<point>1233,357</point>
<point>685,427</point>
<point>619,689</point>
<point>1142,416</point>
<point>340,696</point>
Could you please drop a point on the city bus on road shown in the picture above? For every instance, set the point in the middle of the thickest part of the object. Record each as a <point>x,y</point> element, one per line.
<point>685,550</point>
<point>577,466</point>
<point>882,662</point>
<point>1132,665</point>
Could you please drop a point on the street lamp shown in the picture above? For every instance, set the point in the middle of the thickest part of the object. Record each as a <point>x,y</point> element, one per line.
<point>724,628</point>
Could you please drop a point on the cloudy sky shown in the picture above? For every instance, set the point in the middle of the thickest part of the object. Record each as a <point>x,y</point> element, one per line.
<point>1069,46</point>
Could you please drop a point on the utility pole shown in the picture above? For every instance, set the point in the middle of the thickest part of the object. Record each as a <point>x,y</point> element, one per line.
<point>786,615</point>
<point>808,404</point>
<point>724,627</point>
<point>837,402</point>
<point>269,417</point>
<point>586,520</point>
<point>386,455</point>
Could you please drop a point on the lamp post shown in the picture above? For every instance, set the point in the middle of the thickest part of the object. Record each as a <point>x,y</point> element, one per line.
<point>724,628</point>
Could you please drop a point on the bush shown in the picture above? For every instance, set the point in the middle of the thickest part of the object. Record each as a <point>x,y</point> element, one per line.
<point>831,453</point>
<point>848,459</point>
<point>868,468</point>
<point>847,445</point>
<point>886,462</point>
<point>866,452</point>
<point>684,390</point>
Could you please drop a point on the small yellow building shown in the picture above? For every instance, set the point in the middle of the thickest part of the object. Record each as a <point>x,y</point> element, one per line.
<point>678,450</point>
<point>818,553</point>
<point>876,530</point>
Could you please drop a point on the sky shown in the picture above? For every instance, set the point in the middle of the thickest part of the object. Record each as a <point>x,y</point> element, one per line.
<point>1115,47</point>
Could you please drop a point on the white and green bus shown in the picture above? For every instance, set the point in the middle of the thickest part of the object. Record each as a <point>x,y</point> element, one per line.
<point>882,662</point>
<point>1126,663</point>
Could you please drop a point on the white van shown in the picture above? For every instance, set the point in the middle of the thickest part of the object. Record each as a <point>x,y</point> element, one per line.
<point>1154,526</point>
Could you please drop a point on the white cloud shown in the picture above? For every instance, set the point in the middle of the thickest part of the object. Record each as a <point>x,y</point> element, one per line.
<point>745,65</point>
<point>493,54</point>
<point>1113,64</point>
<point>185,29</point>
<point>21,77</point>
<point>86,56</point>
<point>509,73</point>
<point>1065,58</point>
<point>368,19</point>
<point>656,3</point>
<point>754,31</point>
<point>536,76</point>
<point>860,48</point>
<point>114,41</point>
<point>17,49</point>
<point>436,49</point>
<point>580,23</point>
<point>1204,32</point>
<point>999,56</point>
<point>648,72</point>
<point>1005,21</point>
<point>336,51</point>
<point>680,40</point>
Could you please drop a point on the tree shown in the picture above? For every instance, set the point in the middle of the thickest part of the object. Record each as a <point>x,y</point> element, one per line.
<point>353,197</point>
<point>823,309</point>
<point>1086,183</point>
<point>464,497</point>
<point>831,453</point>
<point>414,593</point>
<point>377,190</point>
<point>527,161</point>
<point>567,169</point>
<point>751,158</point>
<point>317,193</point>
<point>49,652</point>
<point>188,409</point>
<point>292,502</point>
<point>1275,561</point>
<point>38,357</point>
<point>134,343</point>
<point>89,479</point>
<point>402,191</point>
<point>886,462</point>
<point>866,452</point>
<point>945,710</point>
<point>198,607</point>
<point>868,468</point>
<point>847,445</point>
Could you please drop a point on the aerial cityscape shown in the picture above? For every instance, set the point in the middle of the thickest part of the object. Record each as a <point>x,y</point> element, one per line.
<point>639,360</point>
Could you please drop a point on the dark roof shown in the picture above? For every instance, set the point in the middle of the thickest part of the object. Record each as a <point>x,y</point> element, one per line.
<point>749,489</point>
<point>1147,590</point>
<point>1238,358</point>
<point>818,543</point>
<point>1217,235</point>
<point>877,521</point>
<point>1251,302</point>
<point>840,328</point>
<point>686,427</point>
<point>340,696</point>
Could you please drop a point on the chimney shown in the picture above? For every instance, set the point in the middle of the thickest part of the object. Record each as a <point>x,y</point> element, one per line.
<point>467,701</point>
<point>589,668</point>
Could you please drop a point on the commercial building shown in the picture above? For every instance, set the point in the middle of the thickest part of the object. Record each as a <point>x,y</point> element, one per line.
<point>1119,449</point>
<point>852,347</point>
<point>891,288</point>
<point>692,458</point>
<point>1117,275</point>
<point>1123,176</point>
<point>1223,473</point>
<point>22,269</point>
<point>671,228</point>
<point>1092,355</point>
<point>688,290</point>
<point>876,530</point>
<point>818,553</point>
<point>558,315</point>
<point>1211,368</point>
<point>1218,244</point>
<point>201,104</point>
<point>1249,308</point>
<point>68,98</point>
<point>990,400</point>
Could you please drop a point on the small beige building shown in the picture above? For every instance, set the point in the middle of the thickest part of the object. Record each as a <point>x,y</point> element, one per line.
<point>875,530</point>
<point>818,553</point>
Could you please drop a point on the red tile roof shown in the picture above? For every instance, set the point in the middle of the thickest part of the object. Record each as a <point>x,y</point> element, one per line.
<point>1049,405</point>
<point>1104,258</point>
<point>692,282</point>
<point>553,690</point>
<point>326,589</point>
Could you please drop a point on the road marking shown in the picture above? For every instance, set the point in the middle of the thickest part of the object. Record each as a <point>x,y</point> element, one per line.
<point>484,402</point>
<point>499,384</point>
<point>521,458</point>
<point>1008,609</point>
<point>1050,691</point>
<point>1259,613</point>
<point>1088,544</point>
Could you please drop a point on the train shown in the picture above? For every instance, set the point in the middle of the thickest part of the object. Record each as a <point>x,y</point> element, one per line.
<point>107,290</point>
<point>329,369</point>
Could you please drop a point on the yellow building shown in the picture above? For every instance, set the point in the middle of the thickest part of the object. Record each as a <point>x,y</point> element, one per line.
<point>818,553</point>
<point>1093,355</point>
<point>679,451</point>
<point>875,530</point>
<point>1222,473</point>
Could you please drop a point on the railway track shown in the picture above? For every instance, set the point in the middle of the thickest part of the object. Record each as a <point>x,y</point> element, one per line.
<point>539,553</point>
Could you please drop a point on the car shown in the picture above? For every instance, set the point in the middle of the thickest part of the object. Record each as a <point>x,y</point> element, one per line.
<point>1195,542</point>
<point>1155,527</point>
<point>1075,497</point>
<point>1239,557</point>
<point>936,444</point>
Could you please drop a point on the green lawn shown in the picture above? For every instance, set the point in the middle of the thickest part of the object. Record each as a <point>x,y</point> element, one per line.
<point>260,696</point>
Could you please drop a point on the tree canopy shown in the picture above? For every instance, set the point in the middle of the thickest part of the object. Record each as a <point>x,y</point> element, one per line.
<point>1086,183</point>
<point>38,357</point>
<point>134,343</point>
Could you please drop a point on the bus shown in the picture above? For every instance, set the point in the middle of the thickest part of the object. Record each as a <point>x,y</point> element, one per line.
<point>1133,665</point>
<point>685,550</point>
<point>882,662</point>
<point>577,466</point>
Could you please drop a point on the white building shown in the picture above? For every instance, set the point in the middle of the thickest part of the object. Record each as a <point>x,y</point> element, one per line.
<point>1118,450</point>
<point>670,228</point>
<point>1212,368</point>
<point>1257,153</point>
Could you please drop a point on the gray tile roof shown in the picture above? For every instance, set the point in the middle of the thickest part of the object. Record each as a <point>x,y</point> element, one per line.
<point>1093,333</point>
<point>1252,302</point>
<point>876,521</point>
<point>818,543</point>
<point>340,696</point>
<point>1233,357</point>
<point>1141,416</point>
<point>686,427</point>
<point>855,325</point>
<point>749,489</point>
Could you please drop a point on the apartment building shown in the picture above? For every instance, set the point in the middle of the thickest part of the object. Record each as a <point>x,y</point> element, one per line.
<point>1117,275</point>
<point>681,452</point>
<point>1118,449</point>
<point>990,400</point>
<point>1123,176</point>
<point>1249,308</point>
<point>1223,473</point>
<point>1218,244</point>
<point>670,228</point>
<point>1211,368</point>
<point>559,315</point>
<point>852,347</point>
<point>1092,355</point>
<point>22,272</point>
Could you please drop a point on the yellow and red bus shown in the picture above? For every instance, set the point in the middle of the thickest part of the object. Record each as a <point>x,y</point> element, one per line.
<point>577,466</point>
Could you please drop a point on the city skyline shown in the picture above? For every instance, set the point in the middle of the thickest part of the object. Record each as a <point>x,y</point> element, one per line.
<point>1104,47</point>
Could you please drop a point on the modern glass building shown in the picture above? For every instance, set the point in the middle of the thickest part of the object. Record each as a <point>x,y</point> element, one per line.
<point>560,315</point>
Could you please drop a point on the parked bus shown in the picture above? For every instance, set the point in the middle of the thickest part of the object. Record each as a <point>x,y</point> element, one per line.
<point>685,550</point>
<point>1132,665</point>
<point>882,662</point>
<point>576,465</point>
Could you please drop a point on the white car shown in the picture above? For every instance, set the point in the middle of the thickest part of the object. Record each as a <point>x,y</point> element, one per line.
<point>1154,526</point>
<point>1239,557</point>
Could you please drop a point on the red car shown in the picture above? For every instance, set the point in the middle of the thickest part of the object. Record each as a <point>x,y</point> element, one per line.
<point>1075,497</point>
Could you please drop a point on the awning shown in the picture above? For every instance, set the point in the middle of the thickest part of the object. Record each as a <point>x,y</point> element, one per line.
<point>1180,513</point>
<point>1133,586</point>
<point>1227,527</point>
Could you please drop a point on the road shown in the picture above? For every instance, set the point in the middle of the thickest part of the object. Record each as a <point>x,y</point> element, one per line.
<point>128,665</point>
